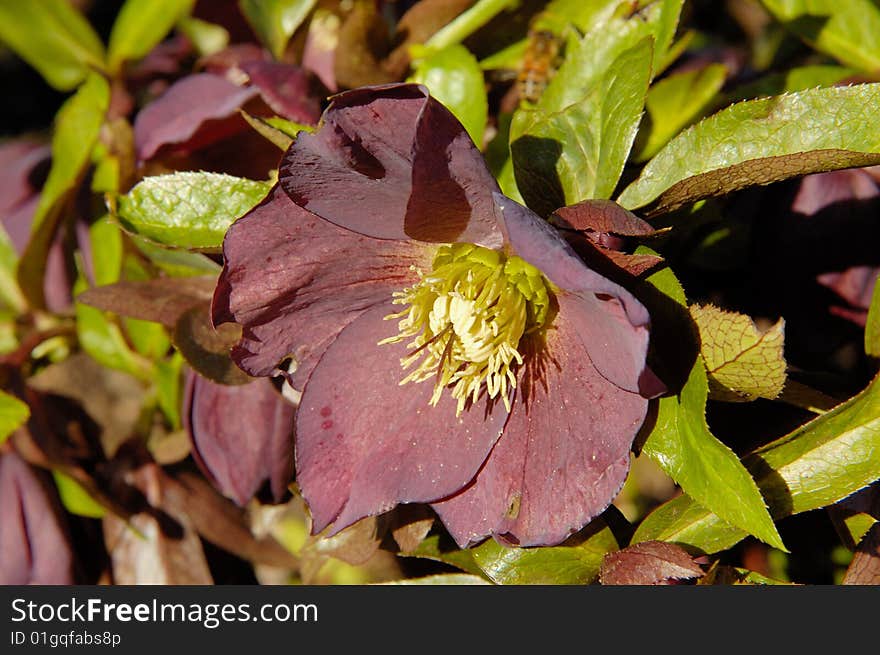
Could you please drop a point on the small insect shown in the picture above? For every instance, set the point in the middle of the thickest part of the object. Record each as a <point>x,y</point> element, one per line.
<point>542,58</point>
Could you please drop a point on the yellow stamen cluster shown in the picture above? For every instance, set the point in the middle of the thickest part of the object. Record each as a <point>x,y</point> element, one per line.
<point>465,320</point>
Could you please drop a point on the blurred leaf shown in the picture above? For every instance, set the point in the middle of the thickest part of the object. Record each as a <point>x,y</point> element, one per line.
<point>169,388</point>
<point>453,77</point>
<point>577,153</point>
<point>206,348</point>
<point>675,102</point>
<point>13,414</point>
<point>647,563</point>
<point>845,30</point>
<point>816,465</point>
<point>162,300</point>
<point>75,498</point>
<point>558,15</point>
<point>872,325</point>
<point>10,294</point>
<point>759,142</point>
<point>707,470</point>
<point>432,548</point>
<point>54,38</point>
<point>577,563</point>
<point>77,126</point>
<point>279,131</point>
<point>468,22</point>
<point>175,262</point>
<point>188,209</point>
<point>208,38</point>
<point>106,242</point>
<point>799,78</point>
<point>140,26</point>
<point>742,362</point>
<point>275,21</point>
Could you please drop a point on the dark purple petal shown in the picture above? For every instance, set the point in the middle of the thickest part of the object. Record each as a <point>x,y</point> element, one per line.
<point>185,108</point>
<point>820,190</point>
<point>365,443</point>
<point>25,164</point>
<point>294,280</point>
<point>34,547</point>
<point>242,435</point>
<point>614,325</point>
<point>286,89</point>
<point>564,453</point>
<point>392,163</point>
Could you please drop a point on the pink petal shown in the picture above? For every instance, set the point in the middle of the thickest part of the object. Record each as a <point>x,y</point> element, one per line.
<point>294,280</point>
<point>390,162</point>
<point>186,107</point>
<point>614,325</point>
<point>286,89</point>
<point>364,443</point>
<point>242,435</point>
<point>564,453</point>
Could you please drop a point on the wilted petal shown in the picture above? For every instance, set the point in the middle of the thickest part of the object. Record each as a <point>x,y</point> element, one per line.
<point>365,443</point>
<point>242,435</point>
<point>34,547</point>
<point>187,106</point>
<point>286,89</point>
<point>293,281</point>
<point>614,324</point>
<point>564,453</point>
<point>391,162</point>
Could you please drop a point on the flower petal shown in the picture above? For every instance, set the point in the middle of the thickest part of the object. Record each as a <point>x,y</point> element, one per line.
<point>391,162</point>
<point>365,443</point>
<point>187,106</point>
<point>242,435</point>
<point>614,324</point>
<point>294,280</point>
<point>564,453</point>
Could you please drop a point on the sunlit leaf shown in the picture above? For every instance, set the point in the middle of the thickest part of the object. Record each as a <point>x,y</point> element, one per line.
<point>759,142</point>
<point>648,562</point>
<point>13,414</point>
<point>816,465</point>
<point>188,209</point>
<point>577,153</point>
<point>275,21</point>
<point>453,76</point>
<point>75,498</point>
<point>872,325</point>
<point>743,363</point>
<point>845,30</point>
<point>440,579</point>
<point>207,38</point>
<point>140,26</point>
<point>54,38</point>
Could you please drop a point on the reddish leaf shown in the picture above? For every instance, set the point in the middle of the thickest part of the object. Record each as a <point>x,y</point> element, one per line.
<point>648,563</point>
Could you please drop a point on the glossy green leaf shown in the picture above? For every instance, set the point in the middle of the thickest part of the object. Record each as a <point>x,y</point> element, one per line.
<point>558,565</point>
<point>188,209</point>
<point>13,414</point>
<point>707,470</point>
<point>453,77</point>
<point>275,21</point>
<point>140,26</point>
<point>54,38</point>
<point>566,156</point>
<point>675,102</point>
<point>816,465</point>
<point>75,498</point>
<point>845,30</point>
<point>77,126</point>
<point>759,142</point>
<point>872,325</point>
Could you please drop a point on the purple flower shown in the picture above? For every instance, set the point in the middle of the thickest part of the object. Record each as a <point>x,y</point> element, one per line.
<point>450,346</point>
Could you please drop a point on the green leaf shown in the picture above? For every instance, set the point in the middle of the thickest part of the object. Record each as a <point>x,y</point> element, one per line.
<point>759,142</point>
<point>10,294</point>
<point>176,263</point>
<point>872,325</point>
<point>453,77</point>
<point>675,102</point>
<point>816,465</point>
<point>275,21</point>
<point>707,470</point>
<point>433,549</point>
<point>140,26</point>
<point>168,385</point>
<point>13,414</point>
<point>468,22</point>
<point>207,38</point>
<point>845,30</point>
<point>188,209</point>
<point>107,249</point>
<point>799,78</point>
<point>77,126</point>
<point>557,565</point>
<point>54,38</point>
<point>75,498</point>
<point>577,153</point>
<point>440,579</point>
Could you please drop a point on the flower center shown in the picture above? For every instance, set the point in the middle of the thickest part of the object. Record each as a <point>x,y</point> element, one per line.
<point>465,320</point>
